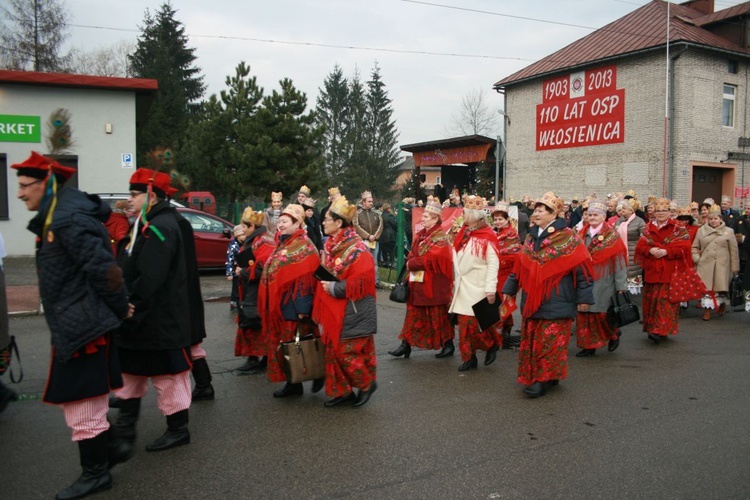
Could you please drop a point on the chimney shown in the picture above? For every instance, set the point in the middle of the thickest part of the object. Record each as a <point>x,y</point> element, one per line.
<point>705,6</point>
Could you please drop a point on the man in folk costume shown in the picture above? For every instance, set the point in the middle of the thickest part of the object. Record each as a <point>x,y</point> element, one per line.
<point>430,264</point>
<point>285,296</point>
<point>664,246</point>
<point>553,267</point>
<point>155,343</point>
<point>476,264</point>
<point>369,225</point>
<point>609,258</point>
<point>345,310</point>
<point>77,269</point>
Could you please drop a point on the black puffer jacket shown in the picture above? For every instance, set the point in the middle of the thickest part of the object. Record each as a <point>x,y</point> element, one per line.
<point>80,284</point>
<point>156,276</point>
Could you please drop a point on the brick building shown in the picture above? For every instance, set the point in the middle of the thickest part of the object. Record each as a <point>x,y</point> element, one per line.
<point>591,117</point>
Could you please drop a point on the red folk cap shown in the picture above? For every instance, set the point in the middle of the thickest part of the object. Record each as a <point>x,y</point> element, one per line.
<point>160,182</point>
<point>39,166</point>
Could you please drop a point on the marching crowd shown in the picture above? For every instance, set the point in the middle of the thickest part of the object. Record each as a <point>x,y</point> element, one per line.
<point>124,306</point>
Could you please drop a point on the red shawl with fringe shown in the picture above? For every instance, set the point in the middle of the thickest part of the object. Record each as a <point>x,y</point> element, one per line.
<point>606,249</point>
<point>510,246</point>
<point>288,272</point>
<point>539,272</point>
<point>348,259</point>
<point>482,235</point>
<point>434,248</point>
<point>675,239</point>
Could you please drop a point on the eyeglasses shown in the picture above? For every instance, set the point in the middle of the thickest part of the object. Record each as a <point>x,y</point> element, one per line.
<point>21,185</point>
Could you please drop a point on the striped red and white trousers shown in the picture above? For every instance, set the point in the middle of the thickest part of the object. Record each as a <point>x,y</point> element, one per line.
<point>173,391</point>
<point>88,417</point>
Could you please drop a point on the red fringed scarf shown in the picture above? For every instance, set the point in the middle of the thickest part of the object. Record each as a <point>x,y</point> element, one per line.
<point>510,246</point>
<point>288,272</point>
<point>606,249</point>
<point>435,246</point>
<point>677,238</point>
<point>539,272</point>
<point>482,235</point>
<point>348,259</point>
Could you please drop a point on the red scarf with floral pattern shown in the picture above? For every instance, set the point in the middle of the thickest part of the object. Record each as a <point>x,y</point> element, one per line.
<point>482,235</point>
<point>348,259</point>
<point>436,243</point>
<point>539,272</point>
<point>606,250</point>
<point>288,272</point>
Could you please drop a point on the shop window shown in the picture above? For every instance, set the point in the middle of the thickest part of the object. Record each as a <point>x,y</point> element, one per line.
<point>4,187</point>
<point>733,66</point>
<point>727,111</point>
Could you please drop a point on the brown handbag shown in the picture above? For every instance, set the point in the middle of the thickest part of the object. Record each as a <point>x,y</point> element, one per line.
<point>302,359</point>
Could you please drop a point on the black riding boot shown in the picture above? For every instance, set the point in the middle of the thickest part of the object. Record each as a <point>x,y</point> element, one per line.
<point>203,391</point>
<point>127,417</point>
<point>95,476</point>
<point>403,350</point>
<point>177,433</point>
<point>448,350</point>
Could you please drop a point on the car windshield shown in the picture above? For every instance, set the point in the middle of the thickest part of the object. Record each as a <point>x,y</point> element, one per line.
<point>203,223</point>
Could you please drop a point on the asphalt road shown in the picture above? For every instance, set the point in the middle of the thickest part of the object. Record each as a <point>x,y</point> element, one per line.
<point>667,421</point>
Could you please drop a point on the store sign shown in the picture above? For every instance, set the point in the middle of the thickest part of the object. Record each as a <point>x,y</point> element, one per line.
<point>19,128</point>
<point>584,108</point>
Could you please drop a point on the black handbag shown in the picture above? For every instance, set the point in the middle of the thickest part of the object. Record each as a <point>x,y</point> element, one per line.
<point>622,311</point>
<point>736,294</point>
<point>248,316</point>
<point>400,292</point>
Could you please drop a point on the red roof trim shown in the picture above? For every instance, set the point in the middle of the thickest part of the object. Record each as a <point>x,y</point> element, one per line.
<point>77,81</point>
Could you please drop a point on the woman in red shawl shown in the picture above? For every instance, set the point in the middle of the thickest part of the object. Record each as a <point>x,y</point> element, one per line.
<point>258,245</point>
<point>345,310</point>
<point>609,257</point>
<point>430,266</point>
<point>509,244</point>
<point>664,246</point>
<point>476,265</point>
<point>286,292</point>
<point>554,270</point>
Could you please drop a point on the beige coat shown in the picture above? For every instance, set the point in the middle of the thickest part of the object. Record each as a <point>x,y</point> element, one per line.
<point>716,256</point>
<point>475,277</point>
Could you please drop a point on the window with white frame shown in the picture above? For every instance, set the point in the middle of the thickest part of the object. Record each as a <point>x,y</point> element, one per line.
<point>727,111</point>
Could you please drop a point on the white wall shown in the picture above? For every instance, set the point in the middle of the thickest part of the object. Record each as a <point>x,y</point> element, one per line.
<point>99,154</point>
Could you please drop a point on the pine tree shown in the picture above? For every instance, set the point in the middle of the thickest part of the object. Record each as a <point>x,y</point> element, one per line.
<point>162,53</point>
<point>332,110</point>
<point>381,138</point>
<point>290,149</point>
<point>33,38</point>
<point>354,179</point>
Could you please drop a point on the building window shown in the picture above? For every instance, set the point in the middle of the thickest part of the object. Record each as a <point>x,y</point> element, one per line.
<point>727,111</point>
<point>733,66</point>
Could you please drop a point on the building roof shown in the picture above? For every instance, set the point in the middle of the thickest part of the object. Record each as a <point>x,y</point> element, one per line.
<point>78,81</point>
<point>642,30</point>
<point>453,142</point>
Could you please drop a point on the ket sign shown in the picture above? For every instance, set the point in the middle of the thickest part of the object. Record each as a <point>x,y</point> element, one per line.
<point>19,128</point>
<point>581,109</point>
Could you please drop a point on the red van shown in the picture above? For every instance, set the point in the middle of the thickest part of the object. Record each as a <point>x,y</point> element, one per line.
<point>200,200</point>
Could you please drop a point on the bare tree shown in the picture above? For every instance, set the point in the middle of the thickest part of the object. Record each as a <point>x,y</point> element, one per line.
<point>105,61</point>
<point>475,116</point>
<point>32,35</point>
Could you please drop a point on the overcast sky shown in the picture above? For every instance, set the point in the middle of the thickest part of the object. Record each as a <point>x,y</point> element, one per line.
<point>426,89</point>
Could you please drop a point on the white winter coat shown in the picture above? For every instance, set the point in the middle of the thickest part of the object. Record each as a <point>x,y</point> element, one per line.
<point>474,277</point>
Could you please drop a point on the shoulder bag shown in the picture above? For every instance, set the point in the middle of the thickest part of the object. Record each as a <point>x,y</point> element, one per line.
<point>400,292</point>
<point>303,358</point>
<point>622,311</point>
<point>736,294</point>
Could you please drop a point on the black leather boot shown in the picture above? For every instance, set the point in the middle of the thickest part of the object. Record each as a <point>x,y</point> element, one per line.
<point>95,476</point>
<point>586,353</point>
<point>127,417</point>
<point>318,384</point>
<point>203,391</point>
<point>248,365</point>
<point>468,365</point>
<point>177,433</point>
<point>6,396</point>
<point>364,396</point>
<point>260,366</point>
<point>491,355</point>
<point>447,351</point>
<point>403,350</point>
<point>536,390</point>
<point>114,401</point>
<point>289,390</point>
<point>120,450</point>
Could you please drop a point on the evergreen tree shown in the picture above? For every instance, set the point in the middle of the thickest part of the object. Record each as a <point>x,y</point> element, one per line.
<point>332,111</point>
<point>220,153</point>
<point>290,149</point>
<point>162,53</point>
<point>32,38</point>
<point>381,138</point>
<point>354,179</point>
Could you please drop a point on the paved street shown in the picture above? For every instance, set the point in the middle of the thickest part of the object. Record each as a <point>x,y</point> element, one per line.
<point>667,421</point>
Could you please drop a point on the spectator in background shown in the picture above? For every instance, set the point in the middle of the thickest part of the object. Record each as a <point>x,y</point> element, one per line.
<point>231,264</point>
<point>369,226</point>
<point>118,224</point>
<point>729,215</point>
<point>312,223</point>
<point>303,194</point>
<point>388,238</point>
<point>272,213</point>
